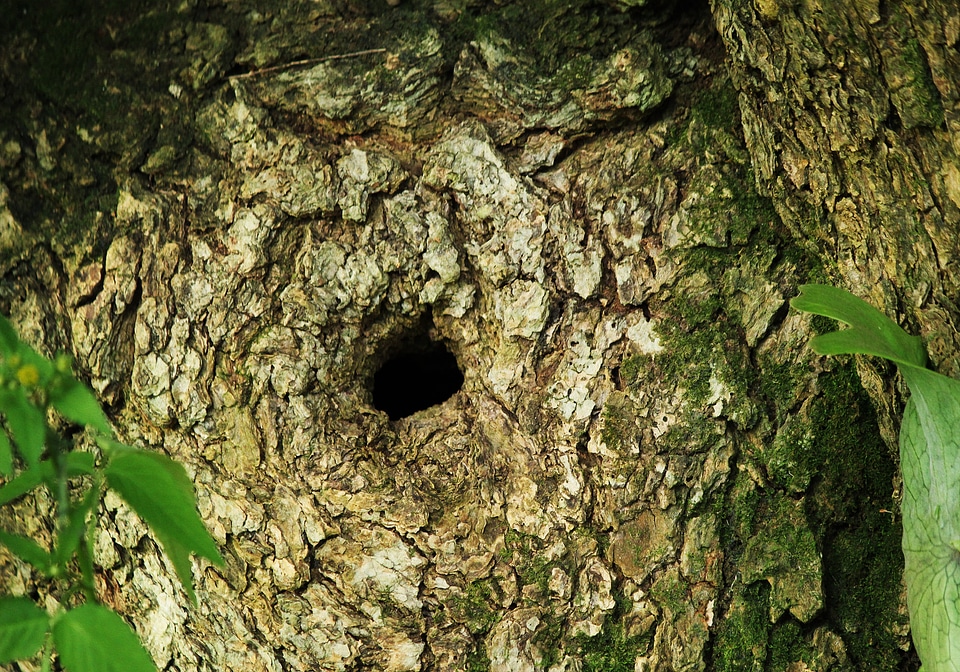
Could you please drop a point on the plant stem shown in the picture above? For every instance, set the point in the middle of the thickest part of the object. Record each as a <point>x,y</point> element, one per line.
<point>56,447</point>
<point>47,654</point>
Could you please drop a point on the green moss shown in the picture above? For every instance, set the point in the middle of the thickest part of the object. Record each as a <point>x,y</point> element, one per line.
<point>833,452</point>
<point>524,552</point>
<point>695,311</point>
<point>550,31</point>
<point>848,507</point>
<point>477,659</point>
<point>741,639</point>
<point>632,367</point>
<point>726,258</point>
<point>717,106</point>
<point>778,382</point>
<point>619,431</point>
<point>475,608</point>
<point>788,647</point>
<point>794,457</point>
<point>576,73</point>
<point>703,354</point>
<point>731,214</point>
<point>853,463</point>
<point>822,325</point>
<point>670,592</point>
<point>918,100</point>
<point>739,513</point>
<point>611,650</point>
<point>688,355</point>
<point>711,128</point>
<point>547,639</point>
<point>77,80</point>
<point>863,588</point>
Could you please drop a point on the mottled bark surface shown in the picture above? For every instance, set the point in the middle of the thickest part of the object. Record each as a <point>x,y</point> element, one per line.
<point>234,216</point>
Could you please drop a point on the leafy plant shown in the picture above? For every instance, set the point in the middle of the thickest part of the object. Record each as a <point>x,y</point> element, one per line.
<point>89,637</point>
<point>929,461</point>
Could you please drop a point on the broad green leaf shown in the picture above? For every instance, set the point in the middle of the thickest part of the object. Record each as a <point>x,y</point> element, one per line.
<point>871,332</point>
<point>8,338</point>
<point>111,446</point>
<point>91,638</point>
<point>27,549</point>
<point>23,627</point>
<point>76,402</point>
<point>161,493</point>
<point>27,424</point>
<point>180,557</point>
<point>6,455</point>
<point>23,483</point>
<point>929,462</point>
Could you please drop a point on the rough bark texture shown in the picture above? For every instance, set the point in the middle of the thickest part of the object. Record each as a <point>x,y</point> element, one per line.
<point>234,216</point>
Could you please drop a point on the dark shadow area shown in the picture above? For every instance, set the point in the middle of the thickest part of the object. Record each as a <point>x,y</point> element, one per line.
<point>423,375</point>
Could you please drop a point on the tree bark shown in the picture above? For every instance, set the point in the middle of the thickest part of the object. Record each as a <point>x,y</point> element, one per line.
<point>234,217</point>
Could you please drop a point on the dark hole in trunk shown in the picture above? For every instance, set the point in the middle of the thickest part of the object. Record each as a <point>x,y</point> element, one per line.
<point>424,375</point>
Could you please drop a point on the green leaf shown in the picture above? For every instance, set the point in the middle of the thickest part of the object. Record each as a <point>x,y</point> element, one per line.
<point>24,482</point>
<point>28,425</point>
<point>161,493</point>
<point>27,550</point>
<point>91,638</point>
<point>8,338</point>
<point>6,455</point>
<point>76,402</point>
<point>23,627</point>
<point>929,462</point>
<point>871,332</point>
<point>180,557</point>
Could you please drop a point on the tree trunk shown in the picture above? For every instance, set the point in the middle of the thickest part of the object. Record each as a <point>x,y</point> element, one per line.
<point>237,219</point>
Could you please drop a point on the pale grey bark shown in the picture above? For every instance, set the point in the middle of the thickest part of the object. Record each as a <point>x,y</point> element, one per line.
<point>603,215</point>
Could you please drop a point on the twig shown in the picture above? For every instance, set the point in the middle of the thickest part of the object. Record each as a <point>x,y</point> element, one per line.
<point>308,61</point>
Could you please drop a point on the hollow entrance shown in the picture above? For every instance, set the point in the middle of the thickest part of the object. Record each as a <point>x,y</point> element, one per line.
<point>422,373</point>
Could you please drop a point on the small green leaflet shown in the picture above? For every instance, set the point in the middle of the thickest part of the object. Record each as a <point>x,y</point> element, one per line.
<point>9,341</point>
<point>76,402</point>
<point>21,484</point>
<point>92,638</point>
<point>929,462</point>
<point>77,464</point>
<point>161,493</point>
<point>872,332</point>
<point>89,638</point>
<point>23,627</point>
<point>6,455</point>
<point>27,550</point>
<point>26,422</point>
